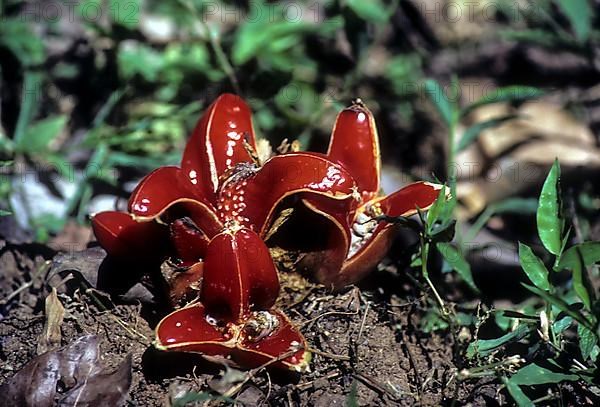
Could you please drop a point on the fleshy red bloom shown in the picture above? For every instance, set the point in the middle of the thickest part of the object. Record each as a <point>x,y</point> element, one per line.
<point>360,240</point>
<point>212,215</point>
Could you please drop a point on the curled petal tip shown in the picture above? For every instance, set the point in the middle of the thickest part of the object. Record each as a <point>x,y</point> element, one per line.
<point>121,236</point>
<point>167,188</point>
<point>355,144</point>
<point>405,202</point>
<point>220,140</point>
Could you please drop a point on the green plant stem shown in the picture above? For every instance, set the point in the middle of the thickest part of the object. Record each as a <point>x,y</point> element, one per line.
<point>487,370</point>
<point>452,156</point>
<point>96,163</point>
<point>425,273</point>
<point>29,94</point>
<point>215,44</point>
<point>86,196</point>
<point>222,58</point>
<point>565,36</point>
<point>480,223</point>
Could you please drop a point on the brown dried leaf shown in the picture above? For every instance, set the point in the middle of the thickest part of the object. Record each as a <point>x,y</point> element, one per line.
<point>104,389</point>
<point>515,156</point>
<point>86,263</point>
<point>77,366</point>
<point>89,267</point>
<point>51,335</point>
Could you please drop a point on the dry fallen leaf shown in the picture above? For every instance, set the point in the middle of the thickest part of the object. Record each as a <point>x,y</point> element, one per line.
<point>90,268</point>
<point>516,155</point>
<point>55,312</point>
<point>77,368</point>
<point>103,389</point>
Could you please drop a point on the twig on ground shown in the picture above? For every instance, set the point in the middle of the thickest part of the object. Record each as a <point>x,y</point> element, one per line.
<point>329,355</point>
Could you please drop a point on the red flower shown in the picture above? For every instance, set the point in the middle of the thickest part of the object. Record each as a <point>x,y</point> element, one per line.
<point>213,214</point>
<point>356,240</point>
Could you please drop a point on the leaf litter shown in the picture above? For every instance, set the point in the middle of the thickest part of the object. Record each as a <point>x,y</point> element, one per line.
<point>69,376</point>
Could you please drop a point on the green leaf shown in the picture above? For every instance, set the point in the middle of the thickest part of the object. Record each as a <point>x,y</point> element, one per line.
<point>122,12</point>
<point>6,145</point>
<point>517,394</point>
<point>125,12</point>
<point>455,258</point>
<point>475,130</point>
<point>444,232</point>
<point>588,251</point>
<point>582,285</point>
<point>194,397</point>
<point>436,211</point>
<point>45,224</point>
<point>352,397</point>
<point>550,223</point>
<point>484,347</point>
<point>275,39</point>
<point>518,315</point>
<point>587,341</point>
<point>540,37</point>
<point>185,59</point>
<point>17,36</point>
<point>505,94</point>
<point>560,304</point>
<point>401,71</point>
<point>532,374</point>
<point>562,324</point>
<point>372,10</point>
<point>439,222</point>
<point>137,58</point>
<point>580,14</point>
<point>533,267</point>
<point>5,213</point>
<point>433,321</point>
<point>38,136</point>
<point>117,158</point>
<point>30,96</point>
<point>444,106</point>
<point>521,206</point>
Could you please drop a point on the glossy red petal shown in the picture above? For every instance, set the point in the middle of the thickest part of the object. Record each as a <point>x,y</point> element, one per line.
<point>325,263</point>
<point>217,143</point>
<point>239,275</point>
<point>369,252</point>
<point>120,235</point>
<point>355,144</point>
<point>189,241</point>
<point>285,347</point>
<point>189,330</point>
<point>406,201</point>
<point>366,258</point>
<point>289,174</point>
<point>165,187</point>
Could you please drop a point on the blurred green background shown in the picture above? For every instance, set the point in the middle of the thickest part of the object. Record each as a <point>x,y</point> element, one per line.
<point>95,93</point>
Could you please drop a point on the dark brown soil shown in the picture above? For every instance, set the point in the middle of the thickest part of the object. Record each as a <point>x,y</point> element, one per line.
<point>368,346</point>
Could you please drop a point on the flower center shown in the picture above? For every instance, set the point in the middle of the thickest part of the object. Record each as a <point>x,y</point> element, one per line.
<point>231,201</point>
<point>260,325</point>
<point>363,228</point>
